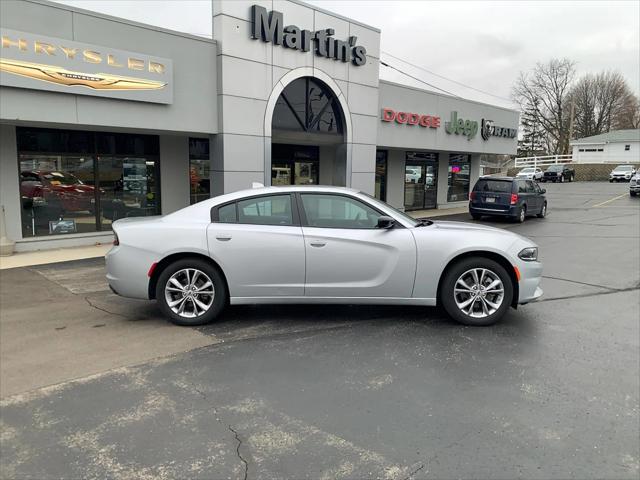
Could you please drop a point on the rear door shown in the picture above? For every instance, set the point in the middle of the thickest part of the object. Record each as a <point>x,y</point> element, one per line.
<point>348,256</point>
<point>533,199</point>
<point>258,243</point>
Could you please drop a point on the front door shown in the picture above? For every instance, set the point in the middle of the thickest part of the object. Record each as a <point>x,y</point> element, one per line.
<point>258,243</point>
<point>294,164</point>
<point>347,256</point>
<point>421,181</point>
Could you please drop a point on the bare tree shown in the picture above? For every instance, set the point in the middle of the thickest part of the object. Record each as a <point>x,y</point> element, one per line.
<point>545,91</point>
<point>603,102</point>
<point>629,115</point>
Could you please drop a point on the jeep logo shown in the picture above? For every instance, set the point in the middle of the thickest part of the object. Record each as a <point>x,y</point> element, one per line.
<point>468,128</point>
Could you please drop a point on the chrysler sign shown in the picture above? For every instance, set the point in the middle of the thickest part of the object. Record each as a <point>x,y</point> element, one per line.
<point>269,27</point>
<point>38,62</point>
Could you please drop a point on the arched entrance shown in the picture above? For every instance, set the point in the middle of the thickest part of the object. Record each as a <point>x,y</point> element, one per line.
<point>308,135</point>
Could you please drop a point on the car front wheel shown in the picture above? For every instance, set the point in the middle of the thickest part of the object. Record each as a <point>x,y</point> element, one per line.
<point>543,211</point>
<point>476,291</point>
<point>191,292</point>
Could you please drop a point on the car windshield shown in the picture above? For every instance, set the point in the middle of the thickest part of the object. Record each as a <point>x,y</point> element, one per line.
<point>623,168</point>
<point>527,170</point>
<point>61,178</point>
<point>496,186</point>
<point>378,203</point>
<point>555,168</point>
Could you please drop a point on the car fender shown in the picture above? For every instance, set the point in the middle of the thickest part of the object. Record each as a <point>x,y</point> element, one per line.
<point>437,248</point>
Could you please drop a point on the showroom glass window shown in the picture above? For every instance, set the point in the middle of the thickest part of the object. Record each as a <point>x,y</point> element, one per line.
<point>80,182</point>
<point>199,167</point>
<point>381,175</point>
<point>459,175</point>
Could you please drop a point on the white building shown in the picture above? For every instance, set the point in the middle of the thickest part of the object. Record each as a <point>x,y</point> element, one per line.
<point>619,146</point>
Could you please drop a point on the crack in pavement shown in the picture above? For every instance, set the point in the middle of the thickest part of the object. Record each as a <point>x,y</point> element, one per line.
<point>86,299</point>
<point>585,295</point>
<point>246,465</point>
<point>579,283</point>
<point>411,474</point>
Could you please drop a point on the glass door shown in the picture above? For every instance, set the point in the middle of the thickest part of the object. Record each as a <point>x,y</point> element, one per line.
<point>294,165</point>
<point>421,181</point>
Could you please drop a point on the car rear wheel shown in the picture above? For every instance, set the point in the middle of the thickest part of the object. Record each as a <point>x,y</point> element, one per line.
<point>476,291</point>
<point>191,292</point>
<point>522,214</point>
<point>543,211</point>
<point>475,216</point>
<point>561,178</point>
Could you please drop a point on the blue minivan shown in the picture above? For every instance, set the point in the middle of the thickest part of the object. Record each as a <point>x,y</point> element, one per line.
<point>514,198</point>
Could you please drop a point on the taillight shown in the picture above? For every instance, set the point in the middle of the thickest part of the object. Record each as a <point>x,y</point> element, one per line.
<point>514,198</point>
<point>472,196</point>
<point>116,241</point>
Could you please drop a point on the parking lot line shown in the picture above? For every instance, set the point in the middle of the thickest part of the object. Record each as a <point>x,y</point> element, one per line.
<point>610,200</point>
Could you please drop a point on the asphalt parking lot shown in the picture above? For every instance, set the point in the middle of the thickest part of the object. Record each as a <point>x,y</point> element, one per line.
<point>98,386</point>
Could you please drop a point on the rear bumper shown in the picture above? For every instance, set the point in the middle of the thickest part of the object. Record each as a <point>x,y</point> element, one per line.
<point>484,209</point>
<point>127,269</point>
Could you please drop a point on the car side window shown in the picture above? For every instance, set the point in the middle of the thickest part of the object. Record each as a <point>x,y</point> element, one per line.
<point>522,188</point>
<point>337,211</point>
<point>531,187</point>
<point>227,213</point>
<point>268,210</point>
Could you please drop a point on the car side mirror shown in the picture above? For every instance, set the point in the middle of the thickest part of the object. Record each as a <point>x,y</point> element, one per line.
<point>544,190</point>
<point>385,222</point>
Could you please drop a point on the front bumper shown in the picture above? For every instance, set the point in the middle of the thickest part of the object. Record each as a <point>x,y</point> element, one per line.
<point>530,278</point>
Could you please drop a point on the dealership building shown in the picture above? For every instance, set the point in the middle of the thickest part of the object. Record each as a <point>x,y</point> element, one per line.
<point>103,118</point>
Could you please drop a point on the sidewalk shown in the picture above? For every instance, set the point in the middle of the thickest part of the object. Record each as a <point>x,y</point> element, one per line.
<point>41,257</point>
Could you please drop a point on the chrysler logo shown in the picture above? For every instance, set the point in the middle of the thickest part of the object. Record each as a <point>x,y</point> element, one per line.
<point>62,76</point>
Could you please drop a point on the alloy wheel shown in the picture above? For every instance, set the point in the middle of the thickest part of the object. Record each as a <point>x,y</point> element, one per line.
<point>478,292</point>
<point>523,214</point>
<point>189,293</point>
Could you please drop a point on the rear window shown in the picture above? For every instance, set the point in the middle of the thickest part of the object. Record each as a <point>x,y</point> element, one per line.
<point>496,186</point>
<point>555,168</point>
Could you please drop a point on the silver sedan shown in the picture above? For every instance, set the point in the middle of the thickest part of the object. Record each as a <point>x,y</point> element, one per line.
<point>318,245</point>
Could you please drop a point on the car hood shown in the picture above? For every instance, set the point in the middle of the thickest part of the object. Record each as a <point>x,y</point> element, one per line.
<point>473,228</point>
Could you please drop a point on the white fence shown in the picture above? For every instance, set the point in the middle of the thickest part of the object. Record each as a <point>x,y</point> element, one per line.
<point>542,161</point>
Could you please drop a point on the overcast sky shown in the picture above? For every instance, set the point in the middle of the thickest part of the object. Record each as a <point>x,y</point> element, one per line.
<point>479,43</point>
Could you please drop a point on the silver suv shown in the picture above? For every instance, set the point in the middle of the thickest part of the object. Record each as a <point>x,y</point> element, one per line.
<point>634,185</point>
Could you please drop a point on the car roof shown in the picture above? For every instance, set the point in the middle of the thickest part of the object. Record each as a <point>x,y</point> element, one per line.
<point>501,179</point>
<point>250,192</point>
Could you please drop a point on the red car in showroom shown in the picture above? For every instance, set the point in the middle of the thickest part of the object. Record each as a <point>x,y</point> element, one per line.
<point>56,187</point>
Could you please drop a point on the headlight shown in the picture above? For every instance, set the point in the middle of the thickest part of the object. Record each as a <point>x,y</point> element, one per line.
<point>529,254</point>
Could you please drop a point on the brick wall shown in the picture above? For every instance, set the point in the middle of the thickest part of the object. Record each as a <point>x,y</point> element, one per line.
<point>585,172</point>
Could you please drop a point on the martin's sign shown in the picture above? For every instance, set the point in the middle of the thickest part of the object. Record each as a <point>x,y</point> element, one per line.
<point>488,130</point>
<point>34,61</point>
<point>269,27</point>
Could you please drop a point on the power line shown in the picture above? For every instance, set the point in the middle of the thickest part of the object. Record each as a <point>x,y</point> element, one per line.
<point>419,80</point>
<point>446,78</point>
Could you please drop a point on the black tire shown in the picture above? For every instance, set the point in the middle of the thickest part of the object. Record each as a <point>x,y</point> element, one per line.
<point>633,194</point>
<point>475,216</point>
<point>451,275</point>
<point>610,180</point>
<point>543,211</point>
<point>522,215</point>
<point>220,294</point>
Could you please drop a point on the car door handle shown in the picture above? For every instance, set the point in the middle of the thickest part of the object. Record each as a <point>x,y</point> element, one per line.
<point>317,244</point>
<point>223,238</point>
